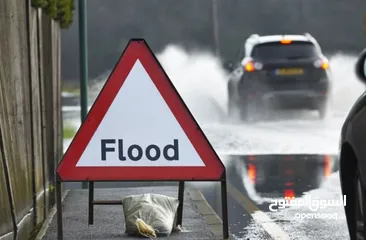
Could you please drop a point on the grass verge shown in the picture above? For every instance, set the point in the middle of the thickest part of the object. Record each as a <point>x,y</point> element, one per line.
<point>69,131</point>
<point>75,91</point>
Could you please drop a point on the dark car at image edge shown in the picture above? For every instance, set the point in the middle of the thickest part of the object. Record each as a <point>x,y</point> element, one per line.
<point>279,71</point>
<point>352,157</point>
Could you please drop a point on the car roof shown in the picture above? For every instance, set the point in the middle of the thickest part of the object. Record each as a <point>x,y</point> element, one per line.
<point>256,39</point>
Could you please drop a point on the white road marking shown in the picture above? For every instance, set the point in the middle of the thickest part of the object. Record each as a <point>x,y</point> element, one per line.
<point>274,230</point>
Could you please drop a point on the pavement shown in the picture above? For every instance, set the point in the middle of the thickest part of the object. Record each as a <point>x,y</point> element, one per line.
<point>200,221</point>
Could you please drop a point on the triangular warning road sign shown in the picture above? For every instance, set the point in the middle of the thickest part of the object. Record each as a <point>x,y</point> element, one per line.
<point>139,128</point>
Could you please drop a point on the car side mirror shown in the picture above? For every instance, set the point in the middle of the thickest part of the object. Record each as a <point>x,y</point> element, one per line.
<point>361,66</point>
<point>229,66</point>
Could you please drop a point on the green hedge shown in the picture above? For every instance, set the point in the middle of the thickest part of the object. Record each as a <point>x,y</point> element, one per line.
<point>59,10</point>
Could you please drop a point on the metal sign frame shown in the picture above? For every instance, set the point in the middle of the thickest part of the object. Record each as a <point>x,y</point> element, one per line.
<point>215,170</point>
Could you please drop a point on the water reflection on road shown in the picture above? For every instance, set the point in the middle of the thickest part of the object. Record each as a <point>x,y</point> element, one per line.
<point>255,180</point>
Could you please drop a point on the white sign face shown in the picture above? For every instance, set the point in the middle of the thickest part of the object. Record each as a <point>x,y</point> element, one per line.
<point>139,130</point>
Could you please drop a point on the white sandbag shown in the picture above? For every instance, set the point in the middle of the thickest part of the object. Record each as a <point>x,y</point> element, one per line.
<point>156,210</point>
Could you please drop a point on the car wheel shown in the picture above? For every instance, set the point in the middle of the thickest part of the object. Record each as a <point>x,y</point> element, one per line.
<point>231,107</point>
<point>359,204</point>
<point>322,111</point>
<point>245,113</point>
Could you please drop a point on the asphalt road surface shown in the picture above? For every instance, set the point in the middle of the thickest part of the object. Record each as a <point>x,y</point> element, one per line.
<point>283,157</point>
<point>249,199</point>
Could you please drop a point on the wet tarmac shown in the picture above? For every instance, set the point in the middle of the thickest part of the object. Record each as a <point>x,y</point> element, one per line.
<point>255,180</point>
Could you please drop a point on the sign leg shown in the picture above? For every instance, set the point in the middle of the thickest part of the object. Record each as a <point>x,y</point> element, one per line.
<point>225,220</point>
<point>59,211</point>
<point>181,200</point>
<point>91,203</point>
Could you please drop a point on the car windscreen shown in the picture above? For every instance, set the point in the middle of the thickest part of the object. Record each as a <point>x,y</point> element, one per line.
<point>277,50</point>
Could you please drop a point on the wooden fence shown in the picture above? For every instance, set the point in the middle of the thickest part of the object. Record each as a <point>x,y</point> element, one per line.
<point>30,117</point>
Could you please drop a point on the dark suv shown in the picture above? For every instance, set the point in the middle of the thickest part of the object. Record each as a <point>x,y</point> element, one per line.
<point>279,71</point>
